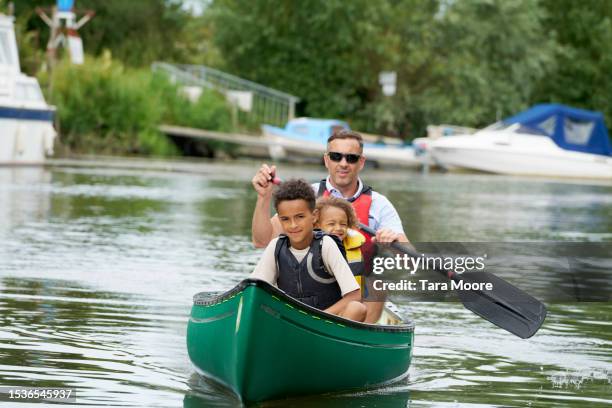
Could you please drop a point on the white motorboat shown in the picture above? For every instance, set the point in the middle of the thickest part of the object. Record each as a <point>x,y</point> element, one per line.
<point>434,132</point>
<point>546,140</point>
<point>307,137</point>
<point>26,121</point>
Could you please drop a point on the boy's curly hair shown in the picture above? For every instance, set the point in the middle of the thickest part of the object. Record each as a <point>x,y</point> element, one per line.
<point>295,189</point>
<point>340,203</point>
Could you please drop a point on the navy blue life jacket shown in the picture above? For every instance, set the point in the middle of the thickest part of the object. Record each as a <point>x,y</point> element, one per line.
<point>307,281</point>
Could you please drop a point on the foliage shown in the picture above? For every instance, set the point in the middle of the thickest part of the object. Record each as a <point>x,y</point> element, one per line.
<point>581,73</point>
<point>477,62</point>
<point>318,50</point>
<point>137,32</point>
<point>31,56</point>
<point>456,61</point>
<point>467,62</point>
<point>105,107</point>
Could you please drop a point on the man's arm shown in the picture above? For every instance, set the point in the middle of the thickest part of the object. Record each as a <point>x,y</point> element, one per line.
<point>264,237</point>
<point>261,226</point>
<point>390,227</point>
<point>264,228</point>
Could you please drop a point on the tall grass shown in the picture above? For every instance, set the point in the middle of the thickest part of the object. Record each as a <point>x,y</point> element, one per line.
<point>106,108</point>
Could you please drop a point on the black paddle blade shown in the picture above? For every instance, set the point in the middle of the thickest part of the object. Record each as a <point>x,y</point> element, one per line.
<point>504,305</point>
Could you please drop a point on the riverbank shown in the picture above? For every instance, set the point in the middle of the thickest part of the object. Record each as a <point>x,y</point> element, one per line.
<point>104,107</point>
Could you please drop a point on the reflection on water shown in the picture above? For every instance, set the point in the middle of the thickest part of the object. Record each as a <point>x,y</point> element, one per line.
<point>204,393</point>
<point>98,266</point>
<point>60,334</point>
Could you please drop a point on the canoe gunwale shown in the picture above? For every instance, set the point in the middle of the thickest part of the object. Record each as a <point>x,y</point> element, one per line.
<point>213,298</point>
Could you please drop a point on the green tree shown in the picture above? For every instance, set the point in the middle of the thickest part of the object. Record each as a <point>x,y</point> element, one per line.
<point>581,71</point>
<point>465,62</point>
<point>411,47</point>
<point>495,53</point>
<point>325,51</point>
<point>137,32</point>
<point>457,61</point>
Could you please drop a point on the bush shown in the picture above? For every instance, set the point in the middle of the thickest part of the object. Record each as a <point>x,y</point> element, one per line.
<point>105,108</point>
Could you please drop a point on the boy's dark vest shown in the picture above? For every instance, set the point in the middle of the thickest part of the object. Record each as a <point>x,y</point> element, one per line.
<point>361,205</point>
<point>307,281</point>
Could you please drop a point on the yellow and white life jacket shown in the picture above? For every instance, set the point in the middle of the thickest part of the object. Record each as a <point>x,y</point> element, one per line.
<point>352,244</point>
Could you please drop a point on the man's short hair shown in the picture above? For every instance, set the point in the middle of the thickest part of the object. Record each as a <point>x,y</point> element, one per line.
<point>346,134</point>
<point>295,189</point>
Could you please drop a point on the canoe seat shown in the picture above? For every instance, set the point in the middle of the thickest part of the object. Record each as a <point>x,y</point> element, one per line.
<point>390,315</point>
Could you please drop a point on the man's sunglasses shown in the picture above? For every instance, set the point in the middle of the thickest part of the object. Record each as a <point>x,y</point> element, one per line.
<point>350,157</point>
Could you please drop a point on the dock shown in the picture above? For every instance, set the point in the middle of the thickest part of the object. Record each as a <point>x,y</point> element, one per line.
<point>254,146</point>
<point>252,141</point>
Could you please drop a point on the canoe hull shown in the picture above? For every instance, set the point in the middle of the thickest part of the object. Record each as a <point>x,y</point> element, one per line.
<point>263,345</point>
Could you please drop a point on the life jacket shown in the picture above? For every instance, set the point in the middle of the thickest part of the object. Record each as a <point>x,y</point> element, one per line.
<point>352,244</point>
<point>361,205</point>
<point>307,281</point>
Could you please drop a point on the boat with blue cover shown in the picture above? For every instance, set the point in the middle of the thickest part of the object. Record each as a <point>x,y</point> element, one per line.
<point>546,140</point>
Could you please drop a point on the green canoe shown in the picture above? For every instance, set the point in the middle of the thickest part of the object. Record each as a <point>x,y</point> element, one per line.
<point>263,344</point>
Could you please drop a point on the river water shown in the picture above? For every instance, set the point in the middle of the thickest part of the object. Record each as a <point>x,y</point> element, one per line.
<point>99,262</point>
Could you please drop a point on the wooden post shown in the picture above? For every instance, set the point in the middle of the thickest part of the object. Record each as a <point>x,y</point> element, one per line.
<point>291,109</point>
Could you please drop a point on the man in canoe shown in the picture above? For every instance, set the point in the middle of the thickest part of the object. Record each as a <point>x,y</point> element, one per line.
<point>344,161</point>
<point>307,264</point>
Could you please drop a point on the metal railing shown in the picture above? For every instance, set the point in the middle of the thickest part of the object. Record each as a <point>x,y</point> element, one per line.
<point>268,105</point>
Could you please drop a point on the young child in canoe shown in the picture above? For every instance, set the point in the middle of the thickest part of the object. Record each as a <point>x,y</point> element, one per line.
<point>306,263</point>
<point>337,216</point>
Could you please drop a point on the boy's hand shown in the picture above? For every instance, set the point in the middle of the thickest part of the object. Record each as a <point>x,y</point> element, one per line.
<point>264,179</point>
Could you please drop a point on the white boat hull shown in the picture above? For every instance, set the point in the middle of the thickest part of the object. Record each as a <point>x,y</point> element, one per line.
<point>393,156</point>
<point>25,141</point>
<point>518,154</point>
<point>26,120</point>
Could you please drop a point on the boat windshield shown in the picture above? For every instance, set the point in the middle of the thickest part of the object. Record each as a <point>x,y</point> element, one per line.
<point>515,127</point>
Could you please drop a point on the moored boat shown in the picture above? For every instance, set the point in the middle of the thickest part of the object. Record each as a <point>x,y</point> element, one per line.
<point>546,140</point>
<point>435,132</point>
<point>26,121</point>
<point>263,344</point>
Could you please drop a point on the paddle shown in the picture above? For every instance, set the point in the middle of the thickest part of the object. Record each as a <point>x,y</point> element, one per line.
<point>504,305</point>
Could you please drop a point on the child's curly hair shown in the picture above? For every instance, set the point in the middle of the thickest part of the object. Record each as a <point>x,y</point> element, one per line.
<point>340,203</point>
<point>295,189</point>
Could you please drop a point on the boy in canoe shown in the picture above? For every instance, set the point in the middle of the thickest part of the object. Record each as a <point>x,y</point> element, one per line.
<point>306,263</point>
